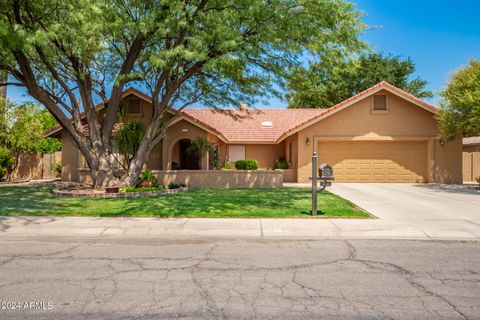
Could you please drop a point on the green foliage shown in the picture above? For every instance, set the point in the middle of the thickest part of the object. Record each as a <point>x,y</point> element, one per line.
<point>478,180</point>
<point>199,147</point>
<point>129,137</point>
<point>6,163</point>
<point>460,107</point>
<point>228,165</point>
<point>140,189</point>
<point>246,165</point>
<point>218,52</point>
<point>281,164</point>
<point>173,185</point>
<point>333,80</point>
<point>149,177</point>
<point>22,128</point>
<point>56,168</point>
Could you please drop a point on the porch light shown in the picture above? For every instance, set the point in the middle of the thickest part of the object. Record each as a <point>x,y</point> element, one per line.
<point>184,130</point>
<point>307,141</point>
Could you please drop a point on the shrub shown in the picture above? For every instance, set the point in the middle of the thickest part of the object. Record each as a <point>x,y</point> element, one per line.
<point>246,165</point>
<point>6,163</point>
<point>478,180</point>
<point>56,168</point>
<point>148,179</point>
<point>173,185</point>
<point>281,164</point>
<point>141,189</point>
<point>228,165</point>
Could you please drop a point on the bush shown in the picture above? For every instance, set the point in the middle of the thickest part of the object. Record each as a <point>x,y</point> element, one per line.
<point>6,163</point>
<point>478,180</point>
<point>56,168</point>
<point>246,165</point>
<point>173,185</point>
<point>141,189</point>
<point>148,179</point>
<point>281,164</point>
<point>228,165</point>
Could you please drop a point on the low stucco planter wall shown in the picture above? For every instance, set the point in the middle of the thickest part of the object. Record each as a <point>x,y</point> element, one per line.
<point>222,178</point>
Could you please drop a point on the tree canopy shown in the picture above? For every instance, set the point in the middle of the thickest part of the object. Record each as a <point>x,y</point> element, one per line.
<point>22,129</point>
<point>460,107</point>
<point>330,81</point>
<point>219,52</point>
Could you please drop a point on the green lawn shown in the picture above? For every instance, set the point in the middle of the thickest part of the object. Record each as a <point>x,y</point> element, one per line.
<point>282,203</point>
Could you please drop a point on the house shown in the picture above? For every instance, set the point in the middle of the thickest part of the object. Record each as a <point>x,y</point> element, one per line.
<point>382,134</point>
<point>471,158</point>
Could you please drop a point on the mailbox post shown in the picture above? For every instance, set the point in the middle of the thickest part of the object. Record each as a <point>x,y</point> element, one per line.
<point>325,174</point>
<point>314,184</point>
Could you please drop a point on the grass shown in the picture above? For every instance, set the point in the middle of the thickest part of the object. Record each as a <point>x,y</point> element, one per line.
<point>241,203</point>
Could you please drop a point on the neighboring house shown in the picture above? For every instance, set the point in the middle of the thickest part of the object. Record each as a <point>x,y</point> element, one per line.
<point>382,134</point>
<point>471,158</point>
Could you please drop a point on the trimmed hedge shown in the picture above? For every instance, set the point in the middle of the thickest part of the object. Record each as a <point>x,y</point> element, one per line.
<point>246,165</point>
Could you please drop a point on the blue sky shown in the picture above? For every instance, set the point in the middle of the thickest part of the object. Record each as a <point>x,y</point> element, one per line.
<point>440,36</point>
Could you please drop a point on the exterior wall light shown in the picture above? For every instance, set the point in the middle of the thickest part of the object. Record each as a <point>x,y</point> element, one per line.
<point>307,141</point>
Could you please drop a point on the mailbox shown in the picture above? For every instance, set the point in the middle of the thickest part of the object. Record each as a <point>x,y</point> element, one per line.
<point>325,172</point>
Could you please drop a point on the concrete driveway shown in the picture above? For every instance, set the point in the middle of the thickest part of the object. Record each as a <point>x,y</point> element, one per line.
<point>439,211</point>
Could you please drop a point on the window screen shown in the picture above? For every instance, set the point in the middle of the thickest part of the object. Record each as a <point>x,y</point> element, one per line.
<point>380,102</point>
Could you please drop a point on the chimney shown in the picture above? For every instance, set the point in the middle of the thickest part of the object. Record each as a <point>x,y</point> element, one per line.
<point>3,89</point>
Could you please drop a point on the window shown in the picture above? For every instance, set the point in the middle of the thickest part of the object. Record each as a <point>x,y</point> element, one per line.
<point>134,107</point>
<point>380,102</point>
<point>236,152</point>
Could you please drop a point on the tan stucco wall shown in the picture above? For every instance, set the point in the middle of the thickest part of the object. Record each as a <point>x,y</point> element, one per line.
<point>69,159</point>
<point>402,121</point>
<point>471,163</point>
<point>178,131</point>
<point>265,154</point>
<point>222,178</point>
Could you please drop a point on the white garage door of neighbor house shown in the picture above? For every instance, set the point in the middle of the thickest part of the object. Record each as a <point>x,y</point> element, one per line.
<point>361,161</point>
<point>236,152</point>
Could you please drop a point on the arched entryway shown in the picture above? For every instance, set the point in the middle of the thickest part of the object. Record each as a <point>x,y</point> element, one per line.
<point>182,159</point>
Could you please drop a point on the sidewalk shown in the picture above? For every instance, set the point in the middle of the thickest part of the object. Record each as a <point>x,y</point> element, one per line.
<point>267,228</point>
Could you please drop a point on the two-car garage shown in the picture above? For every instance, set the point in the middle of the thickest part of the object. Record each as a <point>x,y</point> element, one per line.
<point>376,161</point>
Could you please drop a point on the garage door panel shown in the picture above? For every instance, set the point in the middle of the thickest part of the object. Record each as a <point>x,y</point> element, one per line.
<point>359,161</point>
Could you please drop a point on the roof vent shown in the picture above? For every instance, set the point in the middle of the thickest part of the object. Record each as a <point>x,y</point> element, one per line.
<point>267,124</point>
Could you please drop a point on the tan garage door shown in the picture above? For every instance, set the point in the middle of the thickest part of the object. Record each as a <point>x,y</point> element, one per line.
<point>361,161</point>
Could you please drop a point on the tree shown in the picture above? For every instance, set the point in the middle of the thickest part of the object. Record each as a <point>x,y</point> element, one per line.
<point>129,138</point>
<point>219,52</point>
<point>460,107</point>
<point>22,128</point>
<point>331,81</point>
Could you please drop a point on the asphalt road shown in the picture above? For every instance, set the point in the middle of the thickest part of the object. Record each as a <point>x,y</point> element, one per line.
<point>239,279</point>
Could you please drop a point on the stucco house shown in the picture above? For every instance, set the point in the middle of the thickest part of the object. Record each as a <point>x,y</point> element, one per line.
<point>382,134</point>
<point>471,158</point>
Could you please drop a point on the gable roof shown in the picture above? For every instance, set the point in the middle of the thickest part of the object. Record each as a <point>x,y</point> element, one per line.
<point>252,126</point>
<point>236,126</point>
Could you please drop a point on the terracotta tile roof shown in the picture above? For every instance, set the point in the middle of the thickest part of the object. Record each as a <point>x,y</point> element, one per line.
<point>471,141</point>
<point>236,126</point>
<point>240,126</point>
